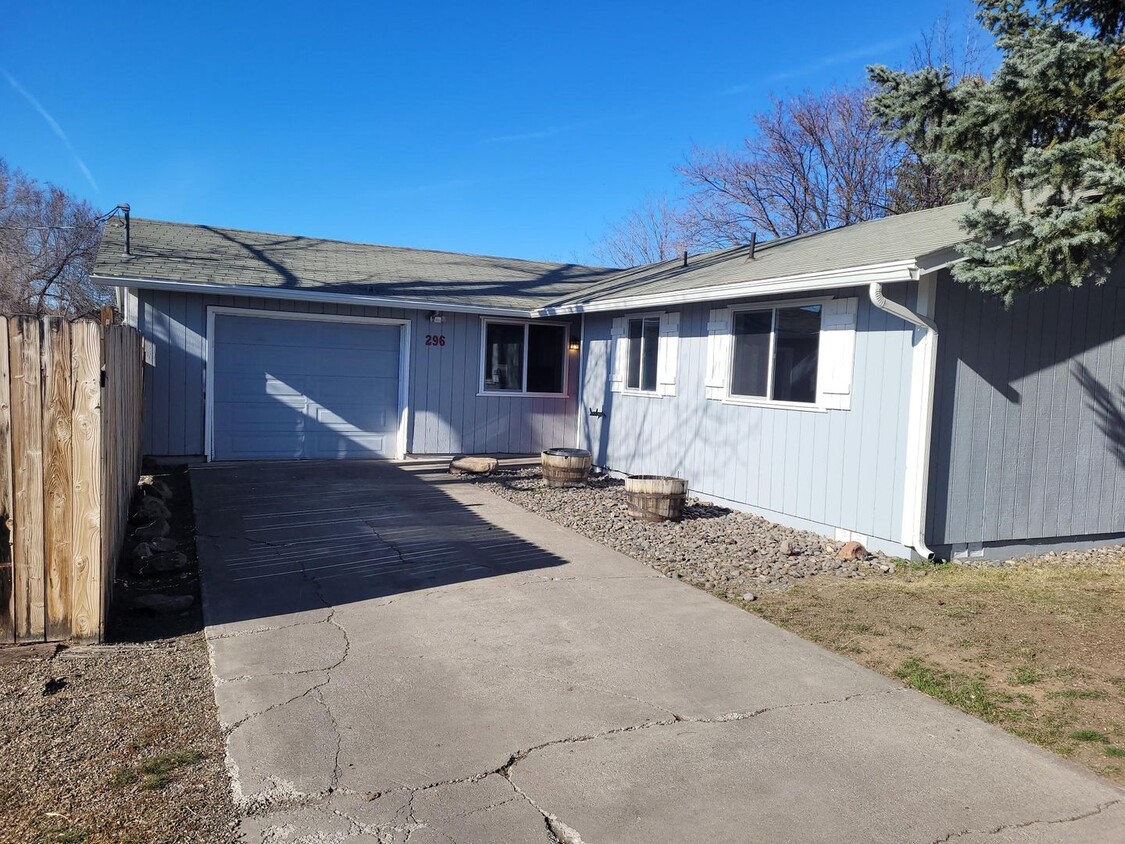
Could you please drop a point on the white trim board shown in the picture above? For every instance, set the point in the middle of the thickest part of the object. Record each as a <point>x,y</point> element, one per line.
<point>209,372</point>
<point>886,273</point>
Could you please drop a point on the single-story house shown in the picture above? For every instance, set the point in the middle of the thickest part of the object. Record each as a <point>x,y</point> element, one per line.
<point>840,382</point>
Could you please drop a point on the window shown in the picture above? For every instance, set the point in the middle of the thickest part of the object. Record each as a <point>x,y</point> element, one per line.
<point>776,352</point>
<point>525,358</point>
<point>644,347</point>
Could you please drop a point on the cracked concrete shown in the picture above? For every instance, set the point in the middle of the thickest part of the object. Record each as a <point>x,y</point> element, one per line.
<point>401,657</point>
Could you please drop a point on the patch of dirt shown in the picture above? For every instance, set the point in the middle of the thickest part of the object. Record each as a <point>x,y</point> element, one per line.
<point>1035,648</point>
<point>118,742</point>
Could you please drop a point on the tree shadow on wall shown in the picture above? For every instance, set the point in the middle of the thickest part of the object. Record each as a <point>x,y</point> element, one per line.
<point>1109,409</point>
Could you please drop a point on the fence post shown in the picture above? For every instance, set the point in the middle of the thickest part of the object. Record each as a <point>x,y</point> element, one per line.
<point>7,611</point>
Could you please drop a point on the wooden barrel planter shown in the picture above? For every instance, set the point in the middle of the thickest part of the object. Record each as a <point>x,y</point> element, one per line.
<point>564,467</point>
<point>655,498</point>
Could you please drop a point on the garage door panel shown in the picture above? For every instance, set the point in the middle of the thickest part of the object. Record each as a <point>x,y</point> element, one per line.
<point>286,388</point>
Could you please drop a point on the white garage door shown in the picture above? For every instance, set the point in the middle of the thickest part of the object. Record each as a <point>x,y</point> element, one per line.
<point>304,388</point>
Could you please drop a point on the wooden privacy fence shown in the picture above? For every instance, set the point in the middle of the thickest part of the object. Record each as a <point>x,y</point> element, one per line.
<point>70,425</point>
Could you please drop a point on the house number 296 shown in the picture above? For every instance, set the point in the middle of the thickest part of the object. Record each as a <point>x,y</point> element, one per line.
<point>435,339</point>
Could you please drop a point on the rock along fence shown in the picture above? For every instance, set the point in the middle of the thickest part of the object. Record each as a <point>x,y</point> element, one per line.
<point>70,423</point>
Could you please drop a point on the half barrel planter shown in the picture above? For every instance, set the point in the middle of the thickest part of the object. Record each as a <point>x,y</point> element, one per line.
<point>655,498</point>
<point>566,467</point>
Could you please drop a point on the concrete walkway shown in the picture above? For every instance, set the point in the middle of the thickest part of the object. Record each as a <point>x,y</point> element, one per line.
<point>399,655</point>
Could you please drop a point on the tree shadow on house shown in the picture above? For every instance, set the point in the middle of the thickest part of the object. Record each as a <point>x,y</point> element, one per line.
<point>1108,408</point>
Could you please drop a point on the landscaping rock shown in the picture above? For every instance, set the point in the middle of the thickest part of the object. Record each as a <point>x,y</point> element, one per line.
<point>474,465</point>
<point>156,528</point>
<point>853,551</point>
<point>155,487</point>
<point>153,508</point>
<point>726,551</point>
<point>158,603</point>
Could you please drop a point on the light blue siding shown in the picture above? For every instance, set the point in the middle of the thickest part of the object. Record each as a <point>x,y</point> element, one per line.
<point>1029,417</point>
<point>446,414</point>
<point>822,470</point>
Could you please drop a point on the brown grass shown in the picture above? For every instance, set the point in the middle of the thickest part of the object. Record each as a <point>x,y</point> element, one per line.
<point>1037,650</point>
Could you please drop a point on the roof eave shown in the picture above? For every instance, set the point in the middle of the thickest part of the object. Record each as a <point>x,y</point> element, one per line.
<point>307,295</point>
<point>895,271</point>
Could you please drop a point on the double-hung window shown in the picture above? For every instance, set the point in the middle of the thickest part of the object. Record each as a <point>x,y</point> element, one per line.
<point>644,351</point>
<point>776,353</point>
<point>524,358</point>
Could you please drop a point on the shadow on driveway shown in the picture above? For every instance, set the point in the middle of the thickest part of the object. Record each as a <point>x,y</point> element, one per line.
<point>287,537</point>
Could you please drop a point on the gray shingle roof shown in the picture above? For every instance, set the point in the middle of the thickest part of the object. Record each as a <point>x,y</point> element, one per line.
<point>179,252</point>
<point>915,236</point>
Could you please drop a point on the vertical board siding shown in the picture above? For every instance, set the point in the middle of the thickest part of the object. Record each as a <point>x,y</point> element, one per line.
<point>1029,416</point>
<point>843,468</point>
<point>446,414</point>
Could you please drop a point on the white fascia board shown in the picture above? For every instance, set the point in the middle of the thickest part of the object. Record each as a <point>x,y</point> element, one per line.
<point>307,295</point>
<point>805,283</point>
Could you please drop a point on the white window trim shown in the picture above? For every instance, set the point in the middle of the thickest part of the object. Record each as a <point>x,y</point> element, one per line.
<point>762,401</point>
<point>626,390</point>
<point>214,311</point>
<point>526,323</point>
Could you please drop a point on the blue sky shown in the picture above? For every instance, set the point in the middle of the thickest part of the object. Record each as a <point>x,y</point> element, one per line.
<point>518,129</point>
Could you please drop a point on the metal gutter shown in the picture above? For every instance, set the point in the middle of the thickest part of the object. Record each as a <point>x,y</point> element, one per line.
<point>923,381</point>
<point>896,271</point>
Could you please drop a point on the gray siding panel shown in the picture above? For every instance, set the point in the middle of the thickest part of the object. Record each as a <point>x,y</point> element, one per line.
<point>1029,418</point>
<point>843,468</point>
<point>447,415</point>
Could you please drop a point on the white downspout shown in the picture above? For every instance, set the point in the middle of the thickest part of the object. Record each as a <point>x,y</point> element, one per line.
<point>923,382</point>
<point>581,382</point>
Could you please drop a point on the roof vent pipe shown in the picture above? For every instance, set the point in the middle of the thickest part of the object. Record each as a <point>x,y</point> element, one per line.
<point>124,209</point>
<point>753,244</point>
<point>685,257</point>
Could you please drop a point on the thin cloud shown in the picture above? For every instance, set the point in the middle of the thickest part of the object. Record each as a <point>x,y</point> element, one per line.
<point>534,135</point>
<point>425,189</point>
<point>821,64</point>
<point>55,127</point>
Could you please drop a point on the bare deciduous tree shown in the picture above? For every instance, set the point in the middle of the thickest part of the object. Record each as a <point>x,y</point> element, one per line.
<point>924,179</point>
<point>48,240</point>
<point>651,234</point>
<point>813,162</point>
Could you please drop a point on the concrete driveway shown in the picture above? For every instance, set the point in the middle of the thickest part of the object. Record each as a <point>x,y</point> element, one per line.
<point>399,655</point>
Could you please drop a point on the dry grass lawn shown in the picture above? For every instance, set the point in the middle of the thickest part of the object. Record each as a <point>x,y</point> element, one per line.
<point>1038,650</point>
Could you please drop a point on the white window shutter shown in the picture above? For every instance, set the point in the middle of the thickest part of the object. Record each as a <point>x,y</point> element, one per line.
<point>619,354</point>
<point>837,353</point>
<point>718,353</point>
<point>668,353</point>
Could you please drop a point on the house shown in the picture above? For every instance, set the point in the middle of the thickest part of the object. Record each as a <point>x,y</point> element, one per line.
<point>839,382</point>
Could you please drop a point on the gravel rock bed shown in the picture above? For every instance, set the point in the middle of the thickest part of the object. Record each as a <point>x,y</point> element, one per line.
<point>126,748</point>
<point>724,551</point>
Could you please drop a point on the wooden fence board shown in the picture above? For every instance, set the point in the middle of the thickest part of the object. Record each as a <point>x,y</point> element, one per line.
<point>7,621</point>
<point>87,586</point>
<point>71,399</point>
<point>28,582</point>
<point>57,487</point>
